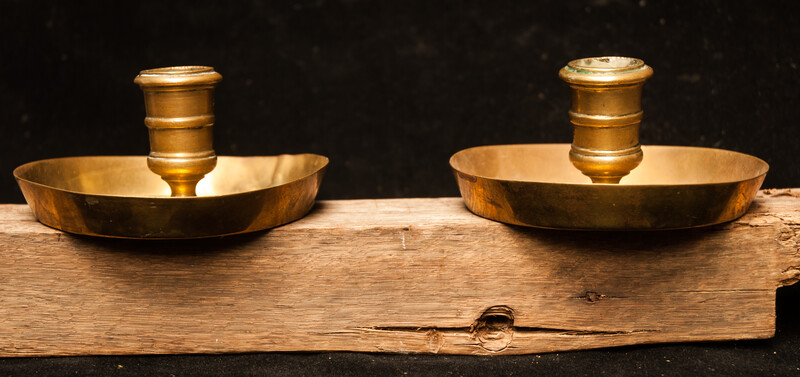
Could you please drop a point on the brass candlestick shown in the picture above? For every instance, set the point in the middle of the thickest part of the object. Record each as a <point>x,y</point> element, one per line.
<point>119,196</point>
<point>179,102</point>
<point>664,187</point>
<point>606,112</point>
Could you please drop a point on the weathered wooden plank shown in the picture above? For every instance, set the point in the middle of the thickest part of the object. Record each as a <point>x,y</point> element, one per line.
<point>401,275</point>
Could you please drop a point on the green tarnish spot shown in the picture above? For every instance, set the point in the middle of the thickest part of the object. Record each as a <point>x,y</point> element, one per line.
<point>585,72</point>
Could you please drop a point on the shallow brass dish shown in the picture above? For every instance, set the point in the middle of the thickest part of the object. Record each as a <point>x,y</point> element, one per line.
<point>118,196</point>
<point>674,187</point>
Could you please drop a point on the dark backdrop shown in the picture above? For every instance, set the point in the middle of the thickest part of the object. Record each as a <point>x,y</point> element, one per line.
<point>389,90</point>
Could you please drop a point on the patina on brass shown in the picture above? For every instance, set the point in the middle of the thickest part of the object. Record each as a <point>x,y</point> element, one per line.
<point>179,102</point>
<point>673,187</point>
<point>606,112</point>
<point>120,196</point>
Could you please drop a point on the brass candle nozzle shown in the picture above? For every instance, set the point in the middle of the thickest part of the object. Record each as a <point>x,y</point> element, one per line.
<point>179,102</point>
<point>606,113</point>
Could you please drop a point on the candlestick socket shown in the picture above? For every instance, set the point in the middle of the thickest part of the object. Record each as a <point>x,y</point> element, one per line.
<point>606,113</point>
<point>179,102</point>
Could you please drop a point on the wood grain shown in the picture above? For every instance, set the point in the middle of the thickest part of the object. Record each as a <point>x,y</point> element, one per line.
<point>399,275</point>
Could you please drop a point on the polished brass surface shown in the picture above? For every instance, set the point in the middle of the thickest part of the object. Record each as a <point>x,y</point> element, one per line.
<point>120,197</point>
<point>629,187</point>
<point>606,113</point>
<point>673,187</point>
<point>179,102</point>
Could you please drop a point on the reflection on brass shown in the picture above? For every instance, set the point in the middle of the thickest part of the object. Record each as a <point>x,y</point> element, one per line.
<point>120,197</point>
<point>606,113</point>
<point>179,102</point>
<point>672,187</point>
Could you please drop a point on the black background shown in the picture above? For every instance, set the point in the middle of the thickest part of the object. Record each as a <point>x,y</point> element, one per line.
<point>389,90</point>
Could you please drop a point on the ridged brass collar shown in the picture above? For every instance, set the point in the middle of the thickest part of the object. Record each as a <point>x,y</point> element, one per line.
<point>190,75</point>
<point>606,70</point>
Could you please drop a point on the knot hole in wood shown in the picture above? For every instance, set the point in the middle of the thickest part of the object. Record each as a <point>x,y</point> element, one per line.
<point>494,329</point>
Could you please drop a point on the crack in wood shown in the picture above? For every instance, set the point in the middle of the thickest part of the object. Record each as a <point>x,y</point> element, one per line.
<point>518,329</point>
<point>493,331</point>
<point>733,290</point>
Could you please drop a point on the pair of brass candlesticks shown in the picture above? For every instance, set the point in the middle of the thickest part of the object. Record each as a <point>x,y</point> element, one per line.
<point>537,185</point>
